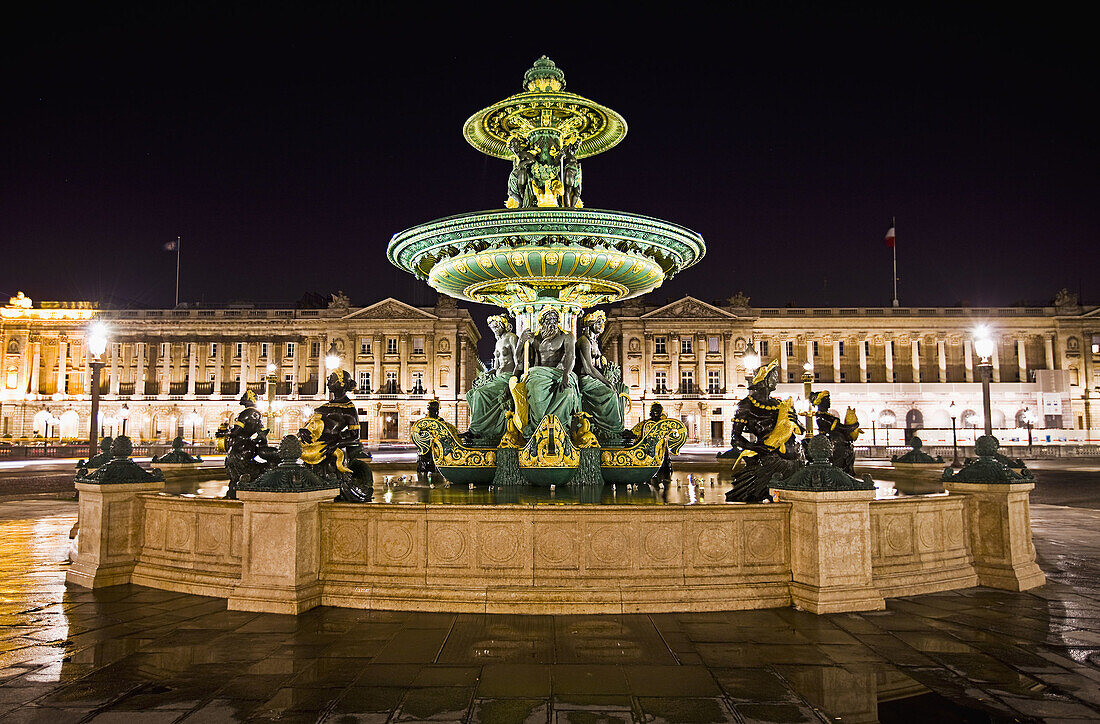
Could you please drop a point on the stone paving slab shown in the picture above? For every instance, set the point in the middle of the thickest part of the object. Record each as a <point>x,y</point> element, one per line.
<point>131,654</point>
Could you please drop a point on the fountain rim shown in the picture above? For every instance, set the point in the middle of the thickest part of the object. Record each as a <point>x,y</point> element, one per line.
<point>686,244</point>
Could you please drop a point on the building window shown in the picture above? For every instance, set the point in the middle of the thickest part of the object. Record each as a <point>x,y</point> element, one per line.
<point>817,376</point>
<point>391,345</point>
<point>418,345</point>
<point>263,350</point>
<point>288,378</point>
<point>712,345</point>
<point>417,383</point>
<point>687,381</point>
<point>713,384</point>
<point>891,347</point>
<point>290,350</point>
<point>659,346</point>
<point>391,383</point>
<point>842,375</point>
<point>660,382</point>
<point>840,349</point>
<point>762,347</point>
<point>190,349</point>
<point>815,348</point>
<point>917,343</point>
<point>163,349</point>
<point>789,344</point>
<point>213,349</point>
<point>314,349</point>
<point>866,348</point>
<point>685,345</point>
<point>240,349</point>
<point>364,345</point>
<point>364,381</point>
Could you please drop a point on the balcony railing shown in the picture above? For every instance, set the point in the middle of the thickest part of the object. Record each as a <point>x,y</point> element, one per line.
<point>204,388</point>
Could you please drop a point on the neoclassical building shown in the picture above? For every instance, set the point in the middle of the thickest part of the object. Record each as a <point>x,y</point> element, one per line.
<point>182,370</point>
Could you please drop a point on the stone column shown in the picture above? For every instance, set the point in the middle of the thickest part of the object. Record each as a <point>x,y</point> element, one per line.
<point>62,363</point>
<point>831,550</point>
<point>113,381</point>
<point>674,358</point>
<point>403,356</point>
<point>701,362</point>
<point>915,345</point>
<point>1021,356</point>
<point>862,360</point>
<point>647,363</point>
<point>139,369</point>
<point>968,359</point>
<point>941,358</point>
<point>729,371</point>
<point>999,525</point>
<point>997,360</point>
<point>376,351</point>
<point>1048,347</point>
<point>888,352</point>
<point>243,384</point>
<point>433,370</point>
<point>460,365</point>
<point>836,361</point>
<point>110,517</point>
<point>165,368</point>
<point>36,365</point>
<point>322,373</point>
<point>218,368</point>
<point>192,368</point>
<point>281,551</point>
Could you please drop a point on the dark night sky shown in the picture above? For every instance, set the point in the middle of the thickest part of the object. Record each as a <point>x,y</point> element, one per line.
<point>286,146</point>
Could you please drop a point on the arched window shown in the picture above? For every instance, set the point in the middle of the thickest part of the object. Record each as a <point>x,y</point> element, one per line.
<point>914,419</point>
<point>969,418</point>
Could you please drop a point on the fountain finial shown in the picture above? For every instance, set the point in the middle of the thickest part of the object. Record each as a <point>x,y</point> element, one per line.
<point>544,76</point>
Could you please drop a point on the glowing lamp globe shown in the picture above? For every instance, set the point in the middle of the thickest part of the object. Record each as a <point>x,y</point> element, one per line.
<point>984,347</point>
<point>97,339</point>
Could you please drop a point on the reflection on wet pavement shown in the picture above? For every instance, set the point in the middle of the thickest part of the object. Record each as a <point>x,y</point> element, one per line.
<point>134,654</point>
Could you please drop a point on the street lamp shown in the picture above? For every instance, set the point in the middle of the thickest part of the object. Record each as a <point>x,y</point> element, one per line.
<point>96,341</point>
<point>193,418</point>
<point>984,346</point>
<point>807,384</point>
<point>887,418</point>
<point>123,413</point>
<point>1030,418</point>
<point>751,360</point>
<point>332,360</point>
<point>271,382</point>
<point>953,411</point>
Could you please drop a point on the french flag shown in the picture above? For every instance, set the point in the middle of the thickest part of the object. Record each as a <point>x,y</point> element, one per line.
<point>890,238</point>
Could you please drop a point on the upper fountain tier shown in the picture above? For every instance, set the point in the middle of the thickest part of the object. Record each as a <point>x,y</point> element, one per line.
<point>544,248</point>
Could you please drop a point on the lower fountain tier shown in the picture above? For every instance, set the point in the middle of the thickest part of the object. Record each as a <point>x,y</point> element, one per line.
<point>509,256</point>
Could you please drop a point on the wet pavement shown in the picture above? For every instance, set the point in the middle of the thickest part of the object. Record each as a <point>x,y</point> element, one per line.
<point>131,654</point>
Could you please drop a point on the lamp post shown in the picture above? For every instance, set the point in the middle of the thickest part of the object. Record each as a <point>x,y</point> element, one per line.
<point>953,411</point>
<point>193,418</point>
<point>984,347</point>
<point>123,413</point>
<point>874,419</point>
<point>96,340</point>
<point>807,384</point>
<point>332,359</point>
<point>269,413</point>
<point>1030,418</point>
<point>887,420</point>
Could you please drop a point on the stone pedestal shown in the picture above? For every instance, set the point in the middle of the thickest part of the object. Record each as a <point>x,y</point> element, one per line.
<point>108,537</point>
<point>281,555</point>
<point>999,523</point>
<point>831,550</point>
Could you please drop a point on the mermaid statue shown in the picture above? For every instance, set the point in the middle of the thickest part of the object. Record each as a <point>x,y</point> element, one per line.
<point>773,450</point>
<point>331,444</point>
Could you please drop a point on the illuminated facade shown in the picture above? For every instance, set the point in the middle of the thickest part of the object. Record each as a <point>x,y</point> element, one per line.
<point>178,370</point>
<point>175,369</point>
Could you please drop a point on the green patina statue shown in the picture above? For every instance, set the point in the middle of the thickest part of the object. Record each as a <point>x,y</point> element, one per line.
<point>842,432</point>
<point>988,467</point>
<point>821,474</point>
<point>331,445</point>
<point>289,476</point>
<point>178,456</point>
<point>487,419</point>
<point>916,455</point>
<point>601,398</point>
<point>120,469</point>
<point>772,451</point>
<point>99,459</point>
<point>551,385</point>
<point>247,454</point>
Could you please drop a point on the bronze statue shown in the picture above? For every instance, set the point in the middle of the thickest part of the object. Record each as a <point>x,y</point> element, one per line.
<point>601,398</point>
<point>550,387</point>
<point>487,419</point>
<point>424,463</point>
<point>842,434</point>
<point>99,459</point>
<point>772,423</point>
<point>571,176</point>
<point>520,193</point>
<point>246,450</point>
<point>331,444</point>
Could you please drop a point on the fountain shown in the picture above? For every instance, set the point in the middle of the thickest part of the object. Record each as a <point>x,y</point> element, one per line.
<point>550,410</point>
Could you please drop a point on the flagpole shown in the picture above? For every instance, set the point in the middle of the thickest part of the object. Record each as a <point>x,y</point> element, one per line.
<point>894,248</point>
<point>178,274</point>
